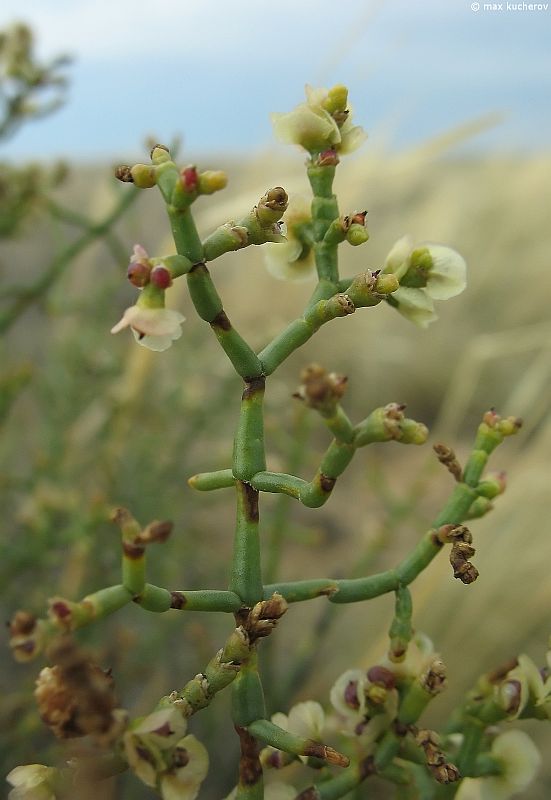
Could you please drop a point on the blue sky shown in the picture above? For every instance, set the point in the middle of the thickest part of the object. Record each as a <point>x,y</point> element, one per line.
<point>212,71</point>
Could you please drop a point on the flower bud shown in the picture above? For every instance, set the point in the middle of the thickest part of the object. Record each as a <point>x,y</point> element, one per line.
<point>212,181</point>
<point>327,158</point>
<point>272,206</point>
<point>337,98</point>
<point>189,179</point>
<point>433,679</point>
<point>27,636</point>
<point>237,646</point>
<point>156,532</point>
<point>357,234</point>
<point>124,174</point>
<point>493,485</point>
<point>412,432</point>
<point>320,389</point>
<point>138,274</point>
<point>161,277</point>
<point>160,154</point>
<point>144,176</point>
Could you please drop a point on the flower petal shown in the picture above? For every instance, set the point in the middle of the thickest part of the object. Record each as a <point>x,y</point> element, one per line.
<point>307,719</point>
<point>283,263</point>
<point>396,261</point>
<point>415,305</point>
<point>448,275</point>
<point>183,783</point>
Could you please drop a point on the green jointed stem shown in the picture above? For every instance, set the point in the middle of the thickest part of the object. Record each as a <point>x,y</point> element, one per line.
<point>297,591</point>
<point>133,568</point>
<point>208,305</point>
<point>248,695</point>
<point>251,780</point>
<point>324,290</point>
<point>315,493</point>
<point>324,211</point>
<point>340,425</point>
<point>352,590</point>
<point>279,483</point>
<point>473,733</point>
<point>106,601</point>
<point>205,600</point>
<point>248,447</point>
<point>209,481</point>
<point>154,598</point>
<point>245,577</point>
<point>281,739</point>
<point>300,330</point>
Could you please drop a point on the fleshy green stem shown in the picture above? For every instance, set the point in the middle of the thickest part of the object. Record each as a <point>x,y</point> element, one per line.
<point>301,330</point>
<point>325,210</point>
<point>208,481</point>
<point>208,305</point>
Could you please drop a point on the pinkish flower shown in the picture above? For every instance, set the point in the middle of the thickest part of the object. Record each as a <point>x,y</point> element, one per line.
<point>154,328</point>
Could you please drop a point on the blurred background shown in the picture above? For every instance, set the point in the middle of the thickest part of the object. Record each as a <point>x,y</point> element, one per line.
<point>456,102</point>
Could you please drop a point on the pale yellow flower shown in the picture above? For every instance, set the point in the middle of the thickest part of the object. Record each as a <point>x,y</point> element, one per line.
<point>313,127</point>
<point>415,305</point>
<point>145,743</point>
<point>520,759</point>
<point>32,782</point>
<point>348,697</point>
<point>189,769</point>
<point>525,683</point>
<point>305,719</point>
<point>426,272</point>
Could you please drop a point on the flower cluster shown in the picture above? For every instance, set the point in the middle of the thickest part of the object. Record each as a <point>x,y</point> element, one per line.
<point>323,122</point>
<point>153,325</point>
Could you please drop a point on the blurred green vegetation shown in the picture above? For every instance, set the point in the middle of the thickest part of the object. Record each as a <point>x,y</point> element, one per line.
<point>92,421</point>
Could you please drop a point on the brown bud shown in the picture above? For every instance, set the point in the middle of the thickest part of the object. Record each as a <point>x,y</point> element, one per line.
<point>75,697</point>
<point>124,174</point>
<point>445,773</point>
<point>274,608</point>
<point>156,532</point>
<point>459,559</point>
<point>320,389</point>
<point>447,457</point>
<point>22,623</point>
<point>433,679</point>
